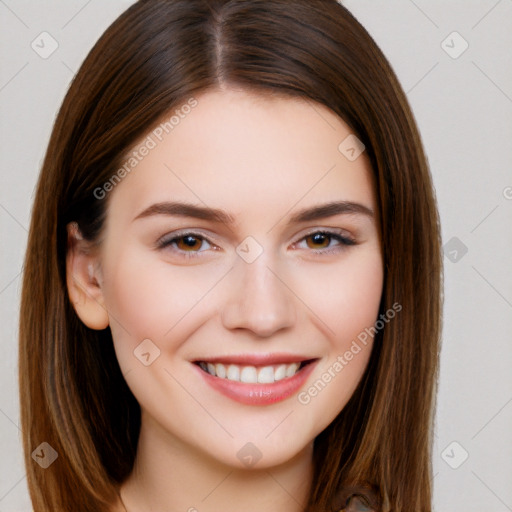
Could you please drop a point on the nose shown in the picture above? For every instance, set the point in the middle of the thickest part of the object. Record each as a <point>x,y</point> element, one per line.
<point>258,300</point>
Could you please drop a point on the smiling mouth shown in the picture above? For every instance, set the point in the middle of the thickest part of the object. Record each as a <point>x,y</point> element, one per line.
<point>249,374</point>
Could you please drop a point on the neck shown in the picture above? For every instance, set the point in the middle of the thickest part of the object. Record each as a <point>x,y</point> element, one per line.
<point>169,475</point>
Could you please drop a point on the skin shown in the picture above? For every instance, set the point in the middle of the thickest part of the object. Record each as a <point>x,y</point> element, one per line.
<point>261,159</point>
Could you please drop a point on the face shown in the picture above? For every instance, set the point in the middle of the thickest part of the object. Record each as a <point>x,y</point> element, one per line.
<point>258,284</point>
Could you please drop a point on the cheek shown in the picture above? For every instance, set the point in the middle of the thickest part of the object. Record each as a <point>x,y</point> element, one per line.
<point>347,306</point>
<point>345,298</point>
<point>147,298</point>
<point>133,297</point>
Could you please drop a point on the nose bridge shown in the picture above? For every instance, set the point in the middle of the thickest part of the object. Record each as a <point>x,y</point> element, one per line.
<point>258,299</point>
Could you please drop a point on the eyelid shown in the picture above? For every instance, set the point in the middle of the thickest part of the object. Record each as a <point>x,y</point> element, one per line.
<point>329,231</point>
<point>168,238</point>
<point>182,232</point>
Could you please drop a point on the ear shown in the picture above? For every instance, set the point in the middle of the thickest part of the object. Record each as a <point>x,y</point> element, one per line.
<point>83,278</point>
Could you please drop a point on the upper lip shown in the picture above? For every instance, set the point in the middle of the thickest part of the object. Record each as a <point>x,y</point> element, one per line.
<point>256,359</point>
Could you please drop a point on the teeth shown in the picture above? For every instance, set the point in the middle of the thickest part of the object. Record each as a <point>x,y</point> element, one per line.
<point>266,375</point>
<point>233,372</point>
<point>251,374</point>
<point>280,372</point>
<point>220,370</point>
<point>291,369</point>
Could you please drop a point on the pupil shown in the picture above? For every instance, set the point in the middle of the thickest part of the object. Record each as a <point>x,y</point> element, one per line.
<point>318,238</point>
<point>190,240</point>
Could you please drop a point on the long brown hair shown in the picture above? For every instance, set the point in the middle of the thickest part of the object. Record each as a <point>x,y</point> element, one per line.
<point>154,57</point>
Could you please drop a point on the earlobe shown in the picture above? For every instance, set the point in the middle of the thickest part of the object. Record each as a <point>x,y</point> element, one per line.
<point>83,282</point>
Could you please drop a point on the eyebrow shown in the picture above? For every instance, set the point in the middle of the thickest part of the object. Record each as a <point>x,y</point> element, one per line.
<point>220,216</point>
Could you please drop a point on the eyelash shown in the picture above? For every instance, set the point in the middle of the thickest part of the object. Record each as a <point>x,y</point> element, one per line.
<point>166,242</point>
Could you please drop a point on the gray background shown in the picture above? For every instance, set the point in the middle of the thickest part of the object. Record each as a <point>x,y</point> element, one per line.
<point>463,105</point>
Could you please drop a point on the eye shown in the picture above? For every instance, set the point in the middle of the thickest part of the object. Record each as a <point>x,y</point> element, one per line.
<point>320,241</point>
<point>188,244</point>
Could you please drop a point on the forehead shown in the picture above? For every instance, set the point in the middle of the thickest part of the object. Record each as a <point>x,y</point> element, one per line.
<point>242,151</point>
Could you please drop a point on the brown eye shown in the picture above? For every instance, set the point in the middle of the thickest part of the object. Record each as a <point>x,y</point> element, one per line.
<point>320,240</point>
<point>184,244</point>
<point>190,243</point>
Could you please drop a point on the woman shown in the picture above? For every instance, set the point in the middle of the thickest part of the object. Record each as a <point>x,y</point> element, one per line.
<point>239,301</point>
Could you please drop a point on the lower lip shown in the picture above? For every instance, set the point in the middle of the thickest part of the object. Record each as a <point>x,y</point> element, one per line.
<point>258,394</point>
